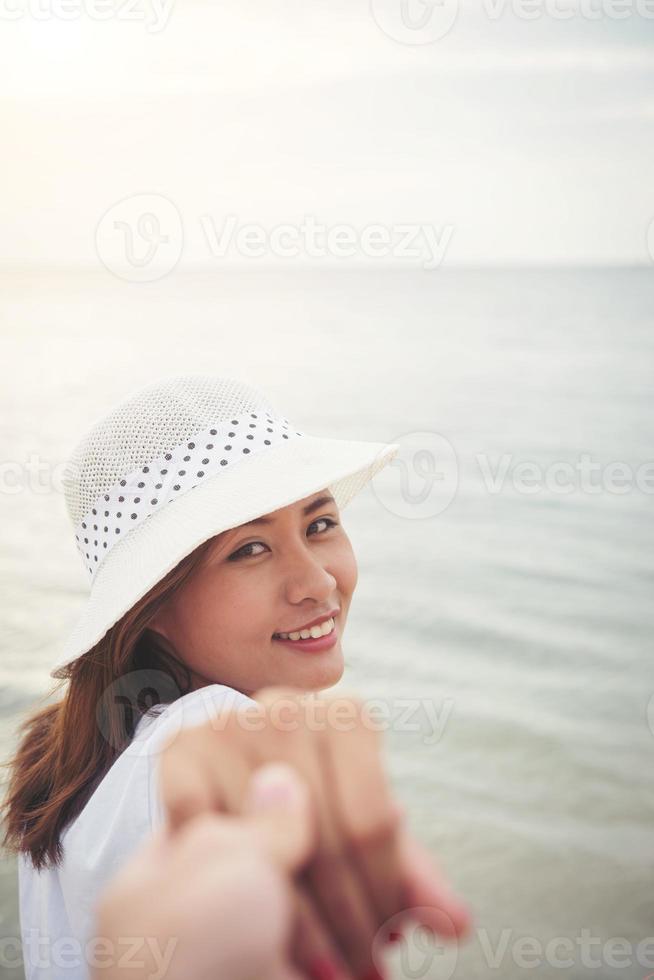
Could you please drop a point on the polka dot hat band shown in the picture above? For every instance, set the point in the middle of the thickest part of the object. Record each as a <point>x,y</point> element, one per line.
<point>180,461</point>
<point>139,493</point>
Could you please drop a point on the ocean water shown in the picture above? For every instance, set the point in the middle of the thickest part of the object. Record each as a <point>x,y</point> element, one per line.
<point>506,623</point>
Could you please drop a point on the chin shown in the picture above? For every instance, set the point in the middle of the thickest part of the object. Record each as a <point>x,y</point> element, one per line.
<point>317,674</point>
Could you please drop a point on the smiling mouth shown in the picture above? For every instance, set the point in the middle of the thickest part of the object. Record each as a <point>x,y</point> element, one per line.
<point>312,633</point>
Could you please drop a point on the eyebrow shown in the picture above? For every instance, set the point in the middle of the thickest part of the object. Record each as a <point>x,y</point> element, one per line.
<point>309,509</point>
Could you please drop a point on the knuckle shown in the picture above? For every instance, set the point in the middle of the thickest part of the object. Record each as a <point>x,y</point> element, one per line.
<point>285,717</point>
<point>183,742</point>
<point>207,832</point>
<point>184,804</point>
<point>367,832</point>
<point>286,742</point>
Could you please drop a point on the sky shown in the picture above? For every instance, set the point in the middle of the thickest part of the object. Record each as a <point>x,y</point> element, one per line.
<point>517,139</point>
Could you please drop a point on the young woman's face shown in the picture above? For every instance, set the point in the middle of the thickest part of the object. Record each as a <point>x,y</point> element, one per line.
<point>273,575</point>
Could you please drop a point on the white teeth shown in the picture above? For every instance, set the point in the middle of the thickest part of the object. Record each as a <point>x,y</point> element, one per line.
<point>321,630</point>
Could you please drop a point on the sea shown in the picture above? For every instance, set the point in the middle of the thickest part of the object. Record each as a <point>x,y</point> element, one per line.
<point>504,612</point>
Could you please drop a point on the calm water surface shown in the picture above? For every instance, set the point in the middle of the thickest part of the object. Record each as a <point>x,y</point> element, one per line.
<point>519,623</point>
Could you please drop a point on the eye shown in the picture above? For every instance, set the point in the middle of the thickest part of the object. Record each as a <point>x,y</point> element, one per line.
<point>244,553</point>
<point>324,520</point>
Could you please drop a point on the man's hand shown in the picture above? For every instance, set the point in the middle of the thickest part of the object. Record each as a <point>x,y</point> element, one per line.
<point>365,869</point>
<point>214,899</point>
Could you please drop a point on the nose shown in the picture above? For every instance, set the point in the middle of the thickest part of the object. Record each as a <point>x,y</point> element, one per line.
<point>307,578</point>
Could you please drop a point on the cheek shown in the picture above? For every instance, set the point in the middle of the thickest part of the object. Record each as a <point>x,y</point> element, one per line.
<point>231,608</point>
<point>346,569</point>
<point>243,614</point>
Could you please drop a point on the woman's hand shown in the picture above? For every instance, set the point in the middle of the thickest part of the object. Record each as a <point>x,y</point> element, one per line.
<point>215,898</point>
<point>365,870</point>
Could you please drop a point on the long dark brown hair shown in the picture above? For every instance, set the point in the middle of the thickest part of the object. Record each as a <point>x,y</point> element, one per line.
<point>67,747</point>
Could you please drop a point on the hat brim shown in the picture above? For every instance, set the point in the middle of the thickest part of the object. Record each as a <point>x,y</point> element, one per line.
<point>259,485</point>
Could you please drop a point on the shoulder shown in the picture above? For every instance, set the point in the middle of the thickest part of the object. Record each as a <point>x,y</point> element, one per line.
<point>122,811</point>
<point>195,708</point>
<point>122,802</point>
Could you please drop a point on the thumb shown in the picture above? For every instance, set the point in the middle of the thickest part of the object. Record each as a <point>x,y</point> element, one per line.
<point>278,809</point>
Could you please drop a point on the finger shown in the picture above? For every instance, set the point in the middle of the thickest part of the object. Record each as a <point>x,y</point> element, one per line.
<point>294,732</point>
<point>345,908</point>
<point>283,972</point>
<point>184,791</point>
<point>429,898</point>
<point>313,950</point>
<point>360,888</point>
<point>367,816</point>
<point>280,817</point>
<point>201,771</point>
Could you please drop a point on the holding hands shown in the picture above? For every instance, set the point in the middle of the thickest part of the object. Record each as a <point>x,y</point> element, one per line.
<point>285,855</point>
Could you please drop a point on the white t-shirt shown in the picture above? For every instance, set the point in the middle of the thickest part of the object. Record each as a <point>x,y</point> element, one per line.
<point>57,905</point>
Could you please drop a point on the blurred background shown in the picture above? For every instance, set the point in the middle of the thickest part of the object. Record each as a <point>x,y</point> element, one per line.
<point>410,221</point>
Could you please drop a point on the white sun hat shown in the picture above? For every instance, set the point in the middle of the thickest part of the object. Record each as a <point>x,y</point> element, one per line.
<point>176,463</point>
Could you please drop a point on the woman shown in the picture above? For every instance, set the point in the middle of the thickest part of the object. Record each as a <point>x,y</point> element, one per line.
<point>209,528</point>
